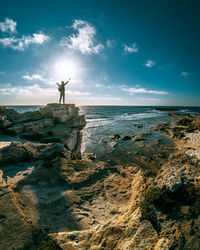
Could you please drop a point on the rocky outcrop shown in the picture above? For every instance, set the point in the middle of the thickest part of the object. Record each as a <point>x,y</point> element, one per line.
<point>53,123</point>
<point>162,211</point>
<point>50,201</point>
<point>27,152</point>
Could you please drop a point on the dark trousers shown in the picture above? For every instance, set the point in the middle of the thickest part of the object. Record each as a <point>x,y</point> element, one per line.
<point>62,96</point>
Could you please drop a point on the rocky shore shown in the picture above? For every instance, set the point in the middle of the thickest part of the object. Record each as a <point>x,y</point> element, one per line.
<point>52,198</point>
<point>52,124</point>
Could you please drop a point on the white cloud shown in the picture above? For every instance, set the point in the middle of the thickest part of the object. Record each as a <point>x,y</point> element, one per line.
<point>8,26</point>
<point>77,93</point>
<point>83,41</point>
<point>32,91</point>
<point>34,77</point>
<point>185,73</point>
<point>143,90</point>
<point>149,63</point>
<point>37,38</point>
<point>25,41</point>
<point>131,49</point>
<point>20,90</point>
<point>98,85</point>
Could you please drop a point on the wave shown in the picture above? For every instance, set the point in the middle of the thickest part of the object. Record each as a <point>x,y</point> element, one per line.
<point>101,122</point>
<point>23,109</point>
<point>93,123</point>
<point>138,116</point>
<point>184,111</point>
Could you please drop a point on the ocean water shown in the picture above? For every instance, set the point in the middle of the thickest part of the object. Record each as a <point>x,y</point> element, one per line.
<point>103,121</point>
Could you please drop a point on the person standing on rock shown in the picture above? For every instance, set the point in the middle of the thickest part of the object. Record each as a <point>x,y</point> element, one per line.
<point>61,89</point>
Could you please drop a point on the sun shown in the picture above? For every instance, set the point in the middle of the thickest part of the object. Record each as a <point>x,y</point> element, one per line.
<point>64,69</point>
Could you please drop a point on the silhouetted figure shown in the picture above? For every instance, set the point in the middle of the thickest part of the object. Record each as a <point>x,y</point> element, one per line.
<point>61,88</point>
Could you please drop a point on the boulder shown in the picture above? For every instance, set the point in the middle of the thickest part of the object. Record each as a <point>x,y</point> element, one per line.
<point>114,136</point>
<point>4,123</point>
<point>19,152</point>
<point>126,137</point>
<point>138,138</point>
<point>13,153</point>
<point>173,178</point>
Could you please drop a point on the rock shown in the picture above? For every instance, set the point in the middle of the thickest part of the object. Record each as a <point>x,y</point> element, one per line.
<point>59,113</point>
<point>53,123</point>
<point>15,231</point>
<point>126,137</point>
<point>71,140</point>
<point>61,130</point>
<point>37,126</point>
<point>52,150</point>
<point>32,136</point>
<point>4,123</point>
<point>114,137</point>
<point>14,130</point>
<point>86,204</point>
<point>163,244</point>
<point>144,134</point>
<point>184,121</point>
<point>178,132</point>
<point>162,127</point>
<point>27,117</point>
<point>51,139</point>
<point>138,138</point>
<point>113,144</point>
<point>89,156</point>
<point>173,178</point>
<point>18,152</point>
<point>144,238</point>
<point>15,152</point>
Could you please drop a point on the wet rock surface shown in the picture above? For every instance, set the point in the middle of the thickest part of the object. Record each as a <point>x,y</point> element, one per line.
<point>146,198</point>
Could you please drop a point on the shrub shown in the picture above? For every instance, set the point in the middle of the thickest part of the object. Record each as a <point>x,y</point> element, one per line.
<point>147,206</point>
<point>165,200</point>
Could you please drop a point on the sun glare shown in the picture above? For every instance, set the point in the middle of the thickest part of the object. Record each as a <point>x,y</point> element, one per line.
<point>65,69</point>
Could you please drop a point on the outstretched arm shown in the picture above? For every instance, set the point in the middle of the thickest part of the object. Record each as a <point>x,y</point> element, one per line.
<point>67,81</point>
<point>58,84</point>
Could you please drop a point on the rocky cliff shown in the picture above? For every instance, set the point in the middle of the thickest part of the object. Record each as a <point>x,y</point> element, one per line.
<point>49,200</point>
<point>53,123</point>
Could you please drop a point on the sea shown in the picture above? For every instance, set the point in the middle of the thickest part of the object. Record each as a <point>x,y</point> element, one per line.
<point>104,121</point>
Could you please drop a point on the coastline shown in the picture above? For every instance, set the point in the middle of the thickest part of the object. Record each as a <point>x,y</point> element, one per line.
<point>103,202</point>
<point>162,211</point>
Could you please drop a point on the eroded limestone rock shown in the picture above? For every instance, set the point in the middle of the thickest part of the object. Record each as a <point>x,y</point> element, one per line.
<point>53,123</point>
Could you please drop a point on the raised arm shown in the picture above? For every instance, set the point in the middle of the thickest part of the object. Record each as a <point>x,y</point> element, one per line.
<point>67,81</point>
<point>58,84</point>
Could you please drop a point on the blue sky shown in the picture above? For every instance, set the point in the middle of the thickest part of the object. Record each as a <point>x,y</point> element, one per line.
<point>116,52</point>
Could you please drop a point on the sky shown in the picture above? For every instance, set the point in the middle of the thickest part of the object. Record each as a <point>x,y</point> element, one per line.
<point>116,52</point>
